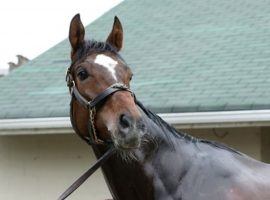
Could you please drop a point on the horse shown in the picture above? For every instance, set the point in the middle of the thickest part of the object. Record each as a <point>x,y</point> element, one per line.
<point>152,160</point>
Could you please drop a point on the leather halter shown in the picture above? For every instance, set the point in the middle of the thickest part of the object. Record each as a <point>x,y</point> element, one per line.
<point>93,139</point>
<point>92,107</point>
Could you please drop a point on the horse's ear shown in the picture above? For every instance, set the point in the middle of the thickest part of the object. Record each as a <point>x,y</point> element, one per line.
<point>76,33</point>
<point>116,36</point>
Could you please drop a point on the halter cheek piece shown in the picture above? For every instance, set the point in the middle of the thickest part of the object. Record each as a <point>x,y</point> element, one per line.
<point>92,107</point>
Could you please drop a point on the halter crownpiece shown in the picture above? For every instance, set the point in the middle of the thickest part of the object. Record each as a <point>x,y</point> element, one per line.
<point>92,106</point>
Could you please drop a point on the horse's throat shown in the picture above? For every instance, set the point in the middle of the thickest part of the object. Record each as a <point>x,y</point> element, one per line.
<point>126,179</point>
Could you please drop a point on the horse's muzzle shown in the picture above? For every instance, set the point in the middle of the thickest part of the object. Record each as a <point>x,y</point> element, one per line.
<point>129,129</point>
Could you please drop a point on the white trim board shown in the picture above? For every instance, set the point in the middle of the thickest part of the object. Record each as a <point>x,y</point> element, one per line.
<point>193,120</point>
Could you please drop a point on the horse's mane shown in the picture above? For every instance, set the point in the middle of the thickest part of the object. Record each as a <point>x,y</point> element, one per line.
<point>90,46</point>
<point>168,128</point>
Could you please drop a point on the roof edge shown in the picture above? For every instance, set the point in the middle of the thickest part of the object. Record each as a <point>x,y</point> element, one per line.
<point>218,119</point>
<point>30,126</point>
<point>192,120</point>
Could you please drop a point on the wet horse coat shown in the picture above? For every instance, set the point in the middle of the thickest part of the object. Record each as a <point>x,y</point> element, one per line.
<point>154,161</point>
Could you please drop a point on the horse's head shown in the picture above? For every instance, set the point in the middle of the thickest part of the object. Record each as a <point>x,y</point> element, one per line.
<point>96,67</point>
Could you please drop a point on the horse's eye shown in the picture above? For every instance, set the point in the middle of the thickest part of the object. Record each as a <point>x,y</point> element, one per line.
<point>82,74</point>
<point>131,77</point>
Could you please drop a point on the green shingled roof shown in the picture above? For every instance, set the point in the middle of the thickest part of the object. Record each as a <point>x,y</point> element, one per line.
<point>187,56</point>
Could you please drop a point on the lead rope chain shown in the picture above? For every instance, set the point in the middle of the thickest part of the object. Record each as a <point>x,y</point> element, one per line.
<point>92,112</point>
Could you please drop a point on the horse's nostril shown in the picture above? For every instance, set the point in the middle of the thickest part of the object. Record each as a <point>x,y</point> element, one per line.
<point>125,121</point>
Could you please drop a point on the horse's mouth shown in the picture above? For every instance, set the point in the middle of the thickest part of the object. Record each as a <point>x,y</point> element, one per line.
<point>124,145</point>
<point>127,148</point>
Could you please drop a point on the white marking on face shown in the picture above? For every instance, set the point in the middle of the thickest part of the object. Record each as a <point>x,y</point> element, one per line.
<point>108,63</point>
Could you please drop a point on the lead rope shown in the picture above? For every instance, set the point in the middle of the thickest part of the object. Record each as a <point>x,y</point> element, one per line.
<point>100,161</point>
<point>88,173</point>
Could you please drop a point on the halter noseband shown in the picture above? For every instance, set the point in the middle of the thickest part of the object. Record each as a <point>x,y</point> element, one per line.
<point>92,106</point>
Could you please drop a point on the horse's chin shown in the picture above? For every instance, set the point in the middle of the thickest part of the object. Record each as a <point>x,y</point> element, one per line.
<point>130,143</point>
<point>127,151</point>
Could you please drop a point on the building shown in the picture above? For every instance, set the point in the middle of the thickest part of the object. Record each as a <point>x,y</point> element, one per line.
<point>203,66</point>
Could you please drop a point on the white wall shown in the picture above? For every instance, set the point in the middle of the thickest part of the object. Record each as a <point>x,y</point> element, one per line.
<point>41,167</point>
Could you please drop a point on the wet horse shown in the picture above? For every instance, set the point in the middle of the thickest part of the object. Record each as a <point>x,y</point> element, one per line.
<point>153,161</point>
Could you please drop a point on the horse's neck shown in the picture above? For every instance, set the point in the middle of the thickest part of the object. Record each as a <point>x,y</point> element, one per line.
<point>136,180</point>
<point>154,167</point>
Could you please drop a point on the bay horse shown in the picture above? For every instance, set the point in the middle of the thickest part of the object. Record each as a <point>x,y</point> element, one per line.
<point>152,161</point>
